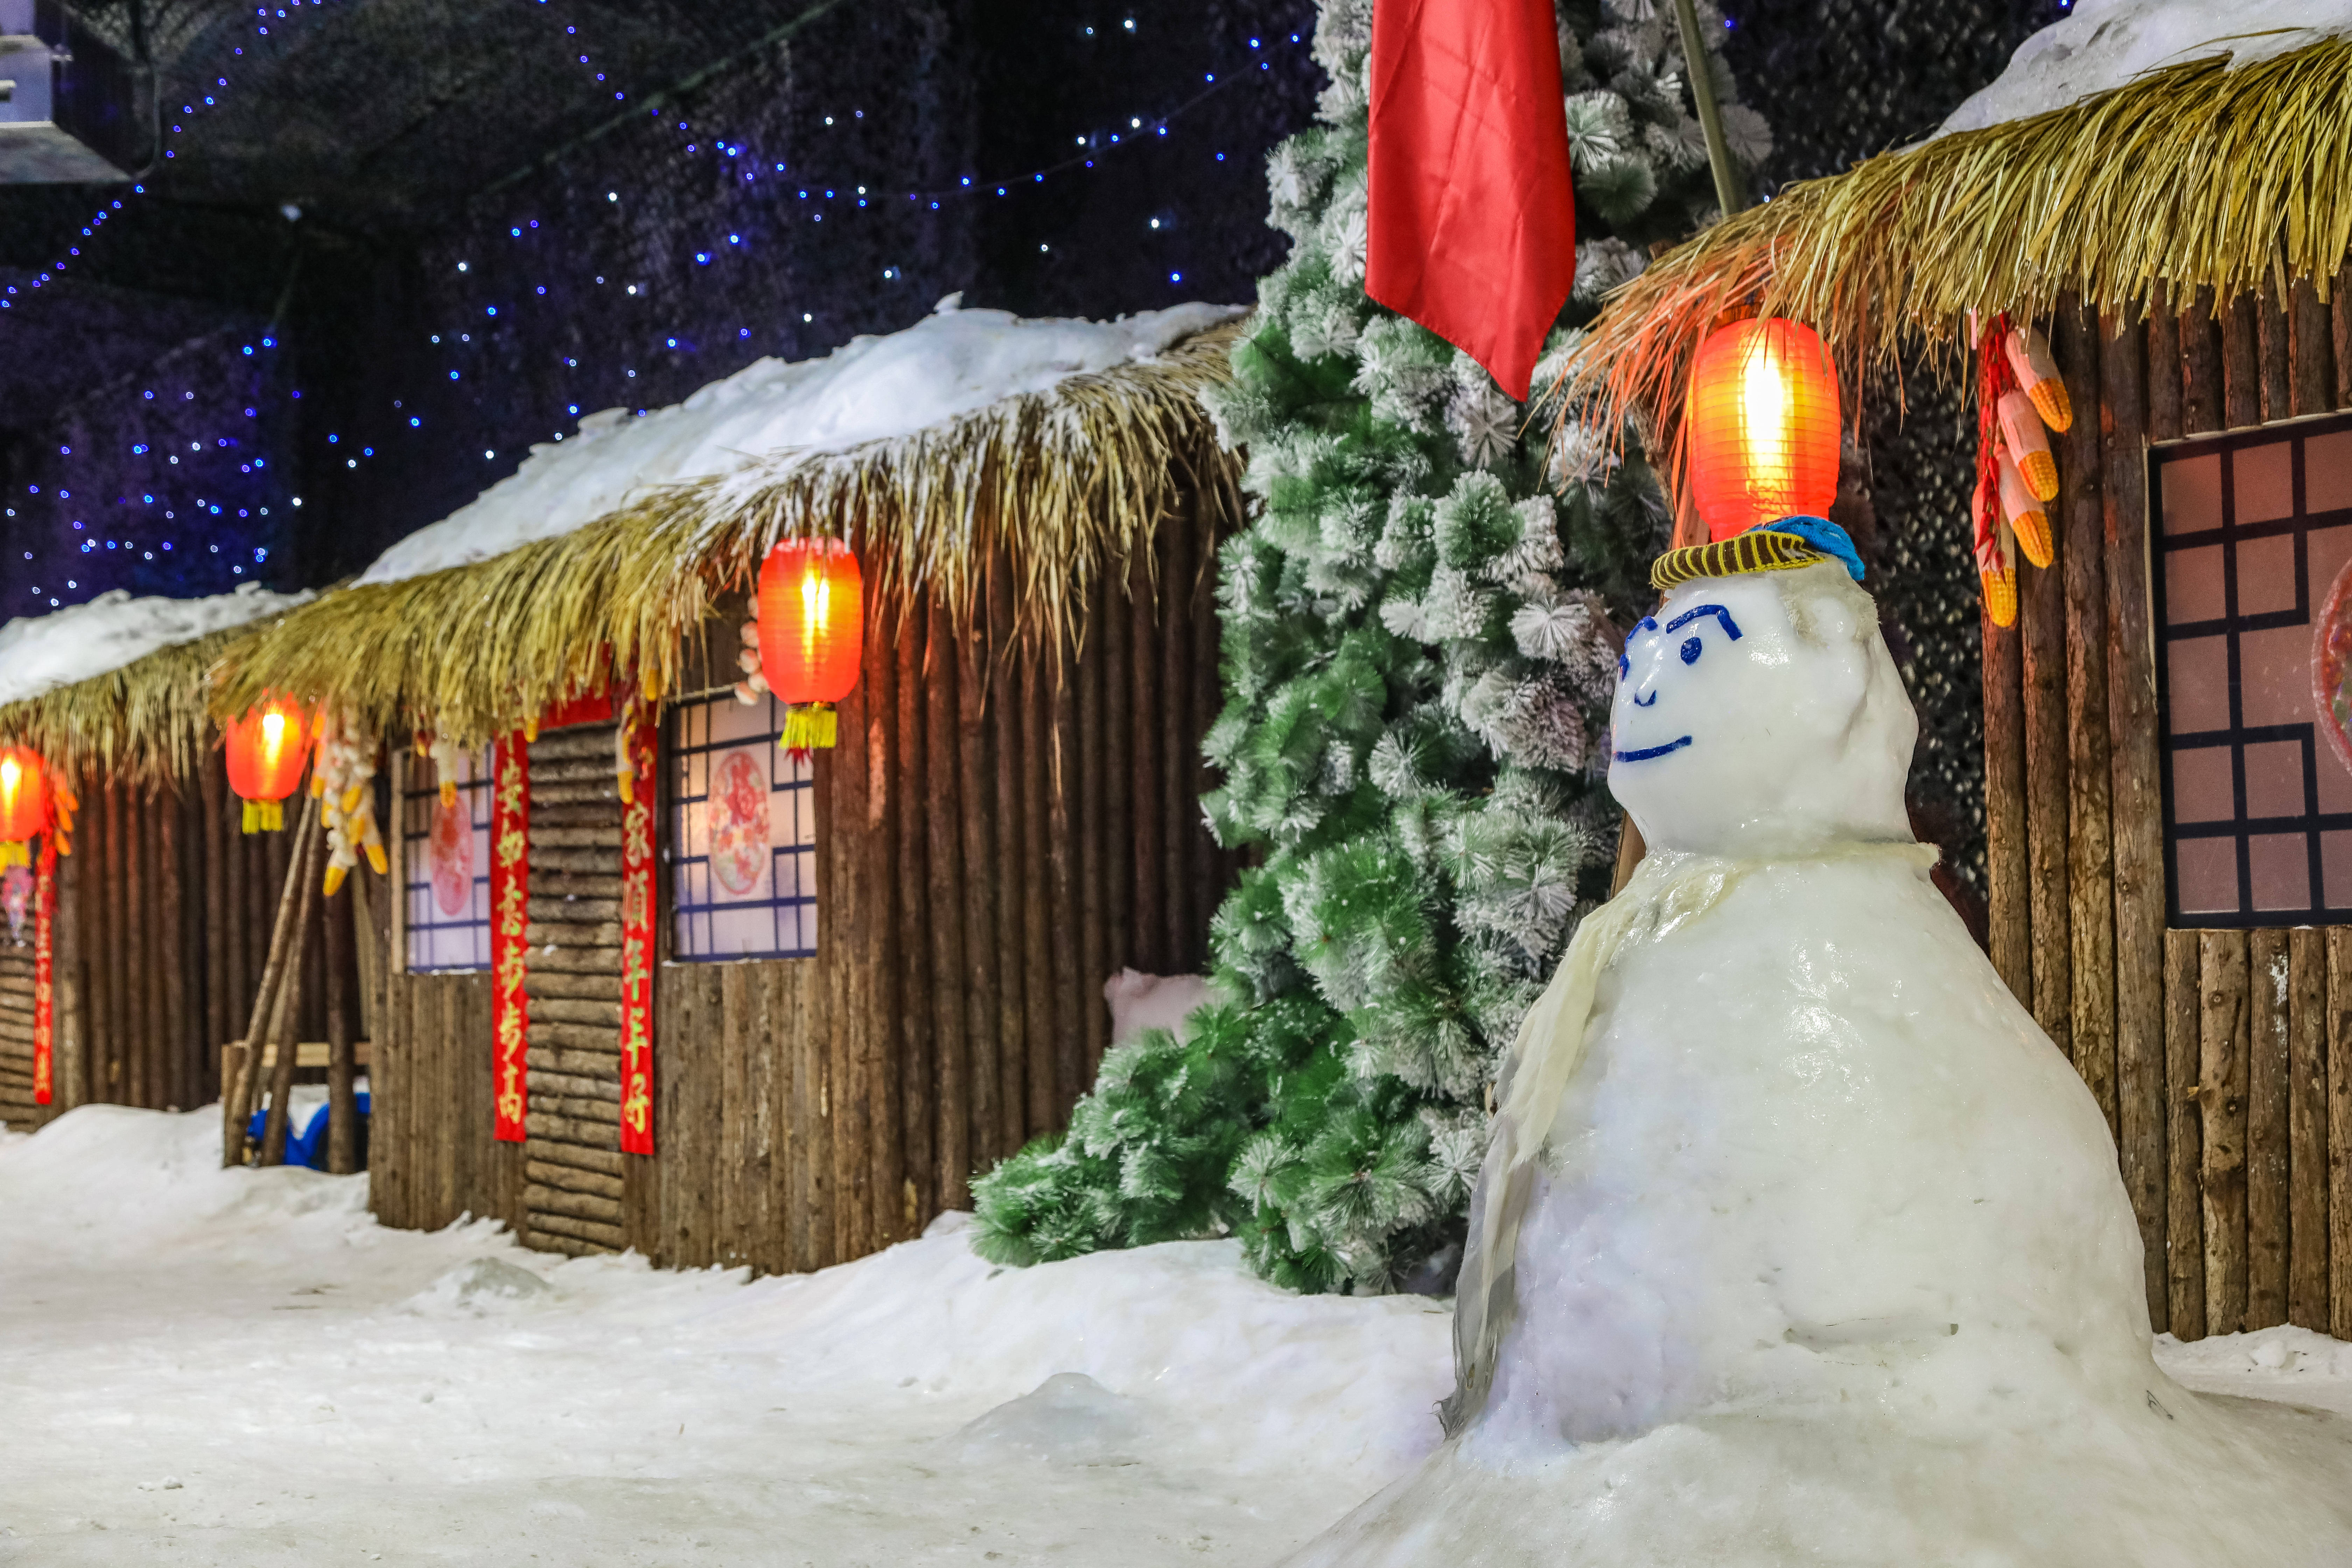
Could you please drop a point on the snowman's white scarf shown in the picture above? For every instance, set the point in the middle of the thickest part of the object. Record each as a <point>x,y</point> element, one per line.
<point>1666,892</point>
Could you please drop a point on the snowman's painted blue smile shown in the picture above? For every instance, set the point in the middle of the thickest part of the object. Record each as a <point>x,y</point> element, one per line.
<point>1691,649</point>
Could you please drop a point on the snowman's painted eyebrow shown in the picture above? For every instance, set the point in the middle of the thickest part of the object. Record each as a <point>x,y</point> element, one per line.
<point>1647,623</point>
<point>1730,626</point>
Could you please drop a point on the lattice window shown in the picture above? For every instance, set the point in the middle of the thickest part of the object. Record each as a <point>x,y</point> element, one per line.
<point>2254,530</point>
<point>445,860</point>
<point>742,834</point>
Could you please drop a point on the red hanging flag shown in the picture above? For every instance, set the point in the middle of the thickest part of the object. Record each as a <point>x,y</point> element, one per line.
<point>1472,217</point>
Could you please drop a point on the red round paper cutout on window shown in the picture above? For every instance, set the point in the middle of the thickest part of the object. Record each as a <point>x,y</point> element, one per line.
<point>452,854</point>
<point>739,821</point>
<point>2331,661</point>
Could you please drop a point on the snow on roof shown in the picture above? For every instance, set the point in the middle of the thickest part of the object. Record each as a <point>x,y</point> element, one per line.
<point>2103,44</point>
<point>38,653</point>
<point>951,362</point>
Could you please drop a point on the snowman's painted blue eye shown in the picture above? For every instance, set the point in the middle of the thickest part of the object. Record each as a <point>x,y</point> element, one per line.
<point>1690,651</point>
<point>1622,667</point>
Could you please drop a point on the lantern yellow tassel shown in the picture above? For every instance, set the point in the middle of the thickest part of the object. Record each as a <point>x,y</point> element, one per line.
<point>264,815</point>
<point>808,725</point>
<point>15,852</point>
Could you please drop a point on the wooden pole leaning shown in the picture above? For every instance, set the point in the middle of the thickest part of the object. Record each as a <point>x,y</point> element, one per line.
<point>309,867</point>
<point>236,1098</point>
<point>342,1102</point>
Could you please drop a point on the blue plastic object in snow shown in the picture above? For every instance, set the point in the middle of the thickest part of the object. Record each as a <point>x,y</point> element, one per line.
<point>308,1146</point>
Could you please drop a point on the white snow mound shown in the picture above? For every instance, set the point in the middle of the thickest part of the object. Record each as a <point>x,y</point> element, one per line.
<point>38,653</point>
<point>2103,44</point>
<point>325,1389</point>
<point>951,362</point>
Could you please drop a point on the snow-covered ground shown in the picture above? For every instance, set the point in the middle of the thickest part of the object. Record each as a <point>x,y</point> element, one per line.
<point>199,1366</point>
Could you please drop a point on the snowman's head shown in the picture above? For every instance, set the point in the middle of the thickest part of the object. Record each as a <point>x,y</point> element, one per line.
<point>1759,714</point>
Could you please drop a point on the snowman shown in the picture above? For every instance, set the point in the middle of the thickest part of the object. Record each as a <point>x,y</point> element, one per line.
<point>1797,1241</point>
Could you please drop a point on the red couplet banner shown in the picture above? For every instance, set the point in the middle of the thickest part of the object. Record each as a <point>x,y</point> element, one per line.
<point>45,910</point>
<point>509,927</point>
<point>637,947</point>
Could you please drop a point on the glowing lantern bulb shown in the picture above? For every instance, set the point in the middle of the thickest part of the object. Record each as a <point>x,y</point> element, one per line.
<point>1762,423</point>
<point>24,804</point>
<point>812,634</point>
<point>267,749</point>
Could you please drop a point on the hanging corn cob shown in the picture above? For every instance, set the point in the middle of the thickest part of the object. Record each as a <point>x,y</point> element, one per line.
<point>2037,377</point>
<point>2028,447</point>
<point>445,754</point>
<point>63,804</point>
<point>749,690</point>
<point>2019,508</point>
<point>1995,575</point>
<point>342,780</point>
<point>2018,394</point>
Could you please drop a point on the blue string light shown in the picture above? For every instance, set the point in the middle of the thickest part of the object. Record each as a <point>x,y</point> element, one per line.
<point>1089,150</point>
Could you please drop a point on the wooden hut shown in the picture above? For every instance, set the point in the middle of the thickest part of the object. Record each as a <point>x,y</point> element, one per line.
<point>158,919</point>
<point>762,1010</point>
<point>2170,829</point>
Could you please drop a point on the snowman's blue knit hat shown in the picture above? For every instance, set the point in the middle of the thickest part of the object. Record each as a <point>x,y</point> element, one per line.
<point>1775,547</point>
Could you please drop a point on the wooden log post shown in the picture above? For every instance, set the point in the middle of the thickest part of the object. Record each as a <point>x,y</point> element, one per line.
<point>2269,992</point>
<point>1150,819</point>
<point>2041,620</point>
<point>2224,1038</point>
<point>2307,1168</point>
<point>1094,935</point>
<point>915,1054</point>
<point>2135,798</point>
<point>950,1039</point>
<point>342,1097</point>
<point>983,865</point>
<point>1013,850</point>
<point>308,867</point>
<point>2008,865</point>
<point>2338,1046</point>
<point>236,1106</point>
<point>2090,844</point>
<point>2184,1222</point>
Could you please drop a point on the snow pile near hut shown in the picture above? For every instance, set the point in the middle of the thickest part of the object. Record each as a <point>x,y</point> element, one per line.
<point>241,1367</point>
<point>209,1366</point>
<point>952,363</point>
<point>39,654</point>
<point>2105,44</point>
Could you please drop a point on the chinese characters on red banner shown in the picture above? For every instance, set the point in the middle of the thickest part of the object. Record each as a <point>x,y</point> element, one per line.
<point>509,924</point>
<point>637,947</point>
<point>45,908</point>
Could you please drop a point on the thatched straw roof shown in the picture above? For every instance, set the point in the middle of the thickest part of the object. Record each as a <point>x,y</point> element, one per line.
<point>118,685</point>
<point>1053,486</point>
<point>2199,174</point>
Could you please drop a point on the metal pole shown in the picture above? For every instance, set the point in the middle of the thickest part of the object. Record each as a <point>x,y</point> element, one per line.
<point>1731,194</point>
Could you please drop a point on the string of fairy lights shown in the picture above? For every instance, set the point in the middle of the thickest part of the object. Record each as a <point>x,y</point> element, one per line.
<point>254,489</point>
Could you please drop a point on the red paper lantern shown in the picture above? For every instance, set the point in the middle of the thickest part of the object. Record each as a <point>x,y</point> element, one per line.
<point>24,802</point>
<point>1762,423</point>
<point>267,749</point>
<point>812,634</point>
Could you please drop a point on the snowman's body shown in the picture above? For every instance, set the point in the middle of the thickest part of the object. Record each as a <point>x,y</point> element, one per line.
<point>1824,1258</point>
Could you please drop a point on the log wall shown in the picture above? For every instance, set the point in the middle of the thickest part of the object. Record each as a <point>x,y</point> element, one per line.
<point>2210,1052</point>
<point>17,1108</point>
<point>164,911</point>
<point>999,831</point>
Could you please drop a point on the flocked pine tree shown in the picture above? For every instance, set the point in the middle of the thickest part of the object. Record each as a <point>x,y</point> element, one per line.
<point>1421,634</point>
